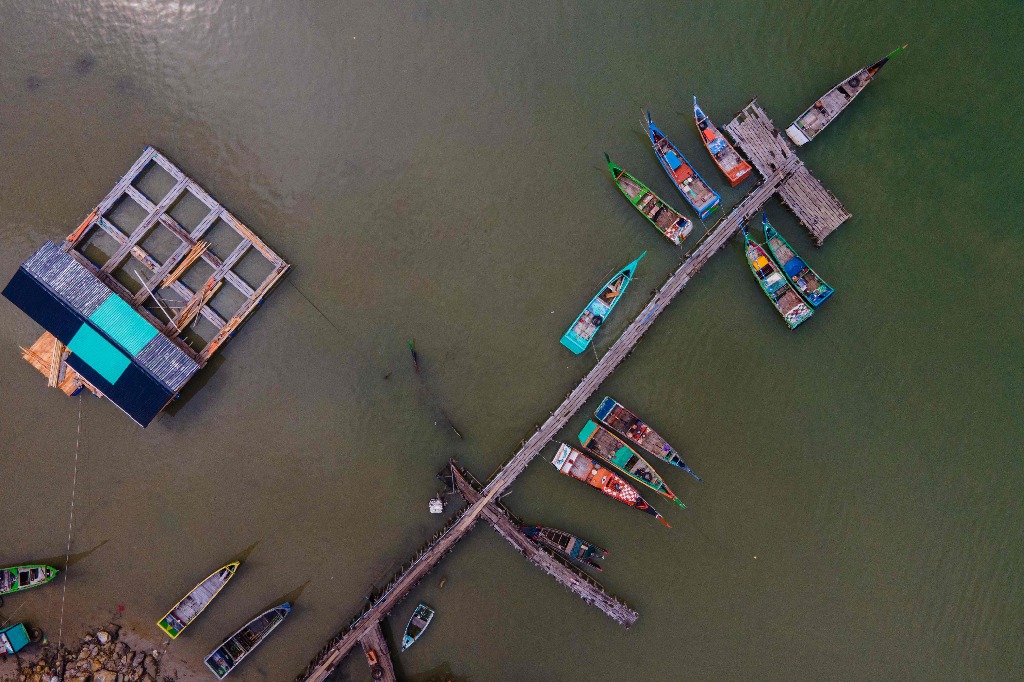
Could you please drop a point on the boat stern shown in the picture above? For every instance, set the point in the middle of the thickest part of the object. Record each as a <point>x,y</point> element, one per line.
<point>604,408</point>
<point>797,136</point>
<point>573,342</point>
<point>563,458</point>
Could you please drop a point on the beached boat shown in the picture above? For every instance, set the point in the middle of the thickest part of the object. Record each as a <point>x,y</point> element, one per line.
<point>196,601</point>
<point>565,544</point>
<point>230,653</point>
<point>616,417</point>
<point>689,182</point>
<point>593,316</point>
<point>813,288</point>
<point>18,578</point>
<point>599,441</point>
<point>725,156</point>
<point>666,219</point>
<point>774,284</point>
<point>419,621</point>
<point>574,463</point>
<point>824,111</point>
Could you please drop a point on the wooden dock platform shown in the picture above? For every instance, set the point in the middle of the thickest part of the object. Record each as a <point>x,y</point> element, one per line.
<point>374,641</point>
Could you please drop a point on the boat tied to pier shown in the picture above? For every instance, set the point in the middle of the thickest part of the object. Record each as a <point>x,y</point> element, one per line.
<point>230,653</point>
<point>616,417</point>
<point>774,285</point>
<point>666,219</point>
<point>419,621</point>
<point>19,578</point>
<point>597,440</point>
<point>566,544</point>
<point>574,463</point>
<point>196,601</point>
<point>812,287</point>
<point>687,180</point>
<point>725,156</point>
<point>824,111</point>
<point>582,331</point>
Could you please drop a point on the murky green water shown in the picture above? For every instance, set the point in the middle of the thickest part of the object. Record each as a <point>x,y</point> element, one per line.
<point>434,171</point>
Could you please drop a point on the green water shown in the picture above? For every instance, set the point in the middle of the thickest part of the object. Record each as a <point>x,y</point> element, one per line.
<point>434,171</point>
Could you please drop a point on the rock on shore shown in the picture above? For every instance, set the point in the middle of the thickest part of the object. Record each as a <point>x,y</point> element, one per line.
<point>99,657</point>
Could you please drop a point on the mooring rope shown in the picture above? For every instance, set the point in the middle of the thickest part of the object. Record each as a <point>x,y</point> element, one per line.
<point>67,554</point>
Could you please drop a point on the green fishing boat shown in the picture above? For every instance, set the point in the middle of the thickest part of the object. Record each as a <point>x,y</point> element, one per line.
<point>601,442</point>
<point>774,285</point>
<point>19,578</point>
<point>813,288</point>
<point>666,219</point>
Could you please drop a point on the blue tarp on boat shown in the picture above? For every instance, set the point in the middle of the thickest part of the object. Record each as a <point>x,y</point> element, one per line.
<point>794,266</point>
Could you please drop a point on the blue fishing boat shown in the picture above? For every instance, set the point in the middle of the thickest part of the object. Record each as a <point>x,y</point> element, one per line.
<point>685,177</point>
<point>813,288</point>
<point>593,316</point>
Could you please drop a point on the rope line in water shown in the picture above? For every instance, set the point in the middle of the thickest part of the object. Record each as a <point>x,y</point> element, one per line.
<point>67,554</point>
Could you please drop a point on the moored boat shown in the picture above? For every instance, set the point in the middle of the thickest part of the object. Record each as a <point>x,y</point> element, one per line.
<point>774,284</point>
<point>687,180</point>
<point>824,111</point>
<point>566,544</point>
<point>813,288</point>
<point>419,621</point>
<point>616,417</point>
<point>666,219</point>
<point>230,653</point>
<point>582,331</point>
<point>18,578</point>
<point>574,463</point>
<point>196,601</point>
<point>600,441</point>
<point>725,156</point>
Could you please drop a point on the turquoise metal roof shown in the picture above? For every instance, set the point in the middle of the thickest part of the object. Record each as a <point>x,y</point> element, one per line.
<point>123,324</point>
<point>13,638</point>
<point>99,353</point>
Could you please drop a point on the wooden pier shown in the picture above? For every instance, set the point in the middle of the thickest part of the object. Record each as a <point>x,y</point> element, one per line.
<point>374,641</point>
<point>328,659</point>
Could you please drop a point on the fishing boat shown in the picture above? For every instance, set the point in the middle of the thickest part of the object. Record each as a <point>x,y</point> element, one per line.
<point>582,331</point>
<point>666,219</point>
<point>419,621</point>
<point>18,578</point>
<point>689,182</point>
<point>612,414</point>
<point>566,544</point>
<point>824,111</point>
<point>574,463</point>
<point>599,441</point>
<point>774,285</point>
<point>813,288</point>
<point>724,154</point>
<point>196,601</point>
<point>230,653</point>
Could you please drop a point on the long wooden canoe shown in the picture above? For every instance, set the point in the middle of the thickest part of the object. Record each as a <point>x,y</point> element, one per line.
<point>196,601</point>
<point>575,464</point>
<point>600,441</point>
<point>813,288</point>
<point>665,219</point>
<point>616,417</point>
<point>232,650</point>
<point>725,156</point>
<point>582,331</point>
<point>685,177</point>
<point>774,285</point>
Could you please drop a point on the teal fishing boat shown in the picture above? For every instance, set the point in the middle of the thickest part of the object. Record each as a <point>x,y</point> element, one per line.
<point>616,417</point>
<point>665,219</point>
<point>18,578</point>
<point>420,620</point>
<point>813,288</point>
<point>785,299</point>
<point>599,441</point>
<point>582,331</point>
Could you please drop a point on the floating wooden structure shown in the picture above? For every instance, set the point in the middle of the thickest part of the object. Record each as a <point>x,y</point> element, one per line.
<point>120,318</point>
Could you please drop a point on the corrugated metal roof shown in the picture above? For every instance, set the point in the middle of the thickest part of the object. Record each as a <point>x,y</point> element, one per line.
<point>124,325</point>
<point>167,362</point>
<point>67,278</point>
<point>98,353</point>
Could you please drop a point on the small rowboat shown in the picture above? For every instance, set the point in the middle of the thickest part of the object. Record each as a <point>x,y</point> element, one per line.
<point>832,103</point>
<point>599,441</point>
<point>574,463</point>
<point>616,417</point>
<point>774,284</point>
<point>230,653</point>
<point>18,578</point>
<point>724,154</point>
<point>666,219</point>
<point>419,621</point>
<point>813,288</point>
<point>196,601</point>
<point>566,544</point>
<point>582,331</point>
<point>686,179</point>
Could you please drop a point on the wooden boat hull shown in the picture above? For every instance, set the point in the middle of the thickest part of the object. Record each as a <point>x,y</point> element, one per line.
<point>421,618</point>
<point>819,115</point>
<point>21,578</point>
<point>665,219</point>
<point>235,648</point>
<point>583,330</point>
<point>575,464</point>
<point>565,544</point>
<point>195,602</point>
<point>725,156</point>
<point>814,289</point>
<point>685,177</point>
<point>616,417</point>
<point>599,441</point>
<point>774,284</point>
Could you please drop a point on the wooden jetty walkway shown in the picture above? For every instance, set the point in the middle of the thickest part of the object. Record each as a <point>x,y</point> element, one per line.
<point>761,143</point>
<point>374,641</point>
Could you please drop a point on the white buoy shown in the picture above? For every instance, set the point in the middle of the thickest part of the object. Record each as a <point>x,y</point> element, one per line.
<point>436,505</point>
